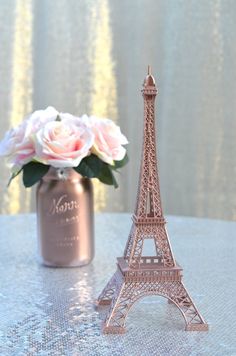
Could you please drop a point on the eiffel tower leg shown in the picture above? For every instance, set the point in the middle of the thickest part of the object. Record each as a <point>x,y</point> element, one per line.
<point>129,243</point>
<point>121,302</point>
<point>136,250</point>
<point>194,320</point>
<point>162,244</point>
<point>106,295</point>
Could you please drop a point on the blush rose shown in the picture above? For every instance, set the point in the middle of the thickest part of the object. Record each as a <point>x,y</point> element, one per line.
<point>18,144</point>
<point>63,143</point>
<point>108,139</point>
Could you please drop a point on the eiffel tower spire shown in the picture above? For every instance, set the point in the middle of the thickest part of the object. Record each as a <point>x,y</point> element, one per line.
<point>148,197</point>
<point>148,220</point>
<point>138,276</point>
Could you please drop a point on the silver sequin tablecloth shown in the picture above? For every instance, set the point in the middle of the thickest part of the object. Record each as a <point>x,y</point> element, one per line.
<point>49,311</point>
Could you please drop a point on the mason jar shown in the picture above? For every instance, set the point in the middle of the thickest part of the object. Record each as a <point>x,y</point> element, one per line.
<point>65,219</point>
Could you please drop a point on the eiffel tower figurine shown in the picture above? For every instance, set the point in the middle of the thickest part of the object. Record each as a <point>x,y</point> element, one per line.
<point>138,276</point>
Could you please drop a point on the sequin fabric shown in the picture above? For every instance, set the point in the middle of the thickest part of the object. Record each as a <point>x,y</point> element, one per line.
<point>50,311</point>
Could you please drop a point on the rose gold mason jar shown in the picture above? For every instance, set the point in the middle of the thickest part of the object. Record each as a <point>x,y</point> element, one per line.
<point>65,218</point>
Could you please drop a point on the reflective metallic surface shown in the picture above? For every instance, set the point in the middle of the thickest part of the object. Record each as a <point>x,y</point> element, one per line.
<point>65,219</point>
<point>86,57</point>
<point>50,311</point>
<point>138,275</point>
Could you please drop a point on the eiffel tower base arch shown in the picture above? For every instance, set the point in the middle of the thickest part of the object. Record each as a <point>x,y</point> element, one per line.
<point>122,292</point>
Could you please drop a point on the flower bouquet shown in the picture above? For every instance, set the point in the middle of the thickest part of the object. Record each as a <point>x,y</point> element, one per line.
<point>62,152</point>
<point>93,147</point>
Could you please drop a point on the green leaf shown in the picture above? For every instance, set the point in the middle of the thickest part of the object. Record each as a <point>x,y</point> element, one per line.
<point>90,166</point>
<point>114,180</point>
<point>121,163</point>
<point>107,176</point>
<point>33,172</point>
<point>14,175</point>
<point>94,167</point>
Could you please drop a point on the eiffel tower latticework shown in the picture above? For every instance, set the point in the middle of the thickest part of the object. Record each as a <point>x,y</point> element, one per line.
<point>138,276</point>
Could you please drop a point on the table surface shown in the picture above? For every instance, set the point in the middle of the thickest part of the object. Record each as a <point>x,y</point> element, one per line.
<point>50,311</point>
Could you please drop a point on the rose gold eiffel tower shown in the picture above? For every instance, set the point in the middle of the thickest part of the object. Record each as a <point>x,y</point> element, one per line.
<point>138,276</point>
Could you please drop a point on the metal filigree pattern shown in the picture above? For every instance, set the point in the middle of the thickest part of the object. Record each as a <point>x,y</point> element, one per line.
<point>111,289</point>
<point>138,276</point>
<point>130,292</point>
<point>148,221</point>
<point>148,198</point>
<point>141,231</point>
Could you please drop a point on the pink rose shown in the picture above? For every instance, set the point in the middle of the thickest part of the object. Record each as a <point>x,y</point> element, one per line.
<point>18,142</point>
<point>108,139</point>
<point>39,118</point>
<point>63,143</point>
<point>17,146</point>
